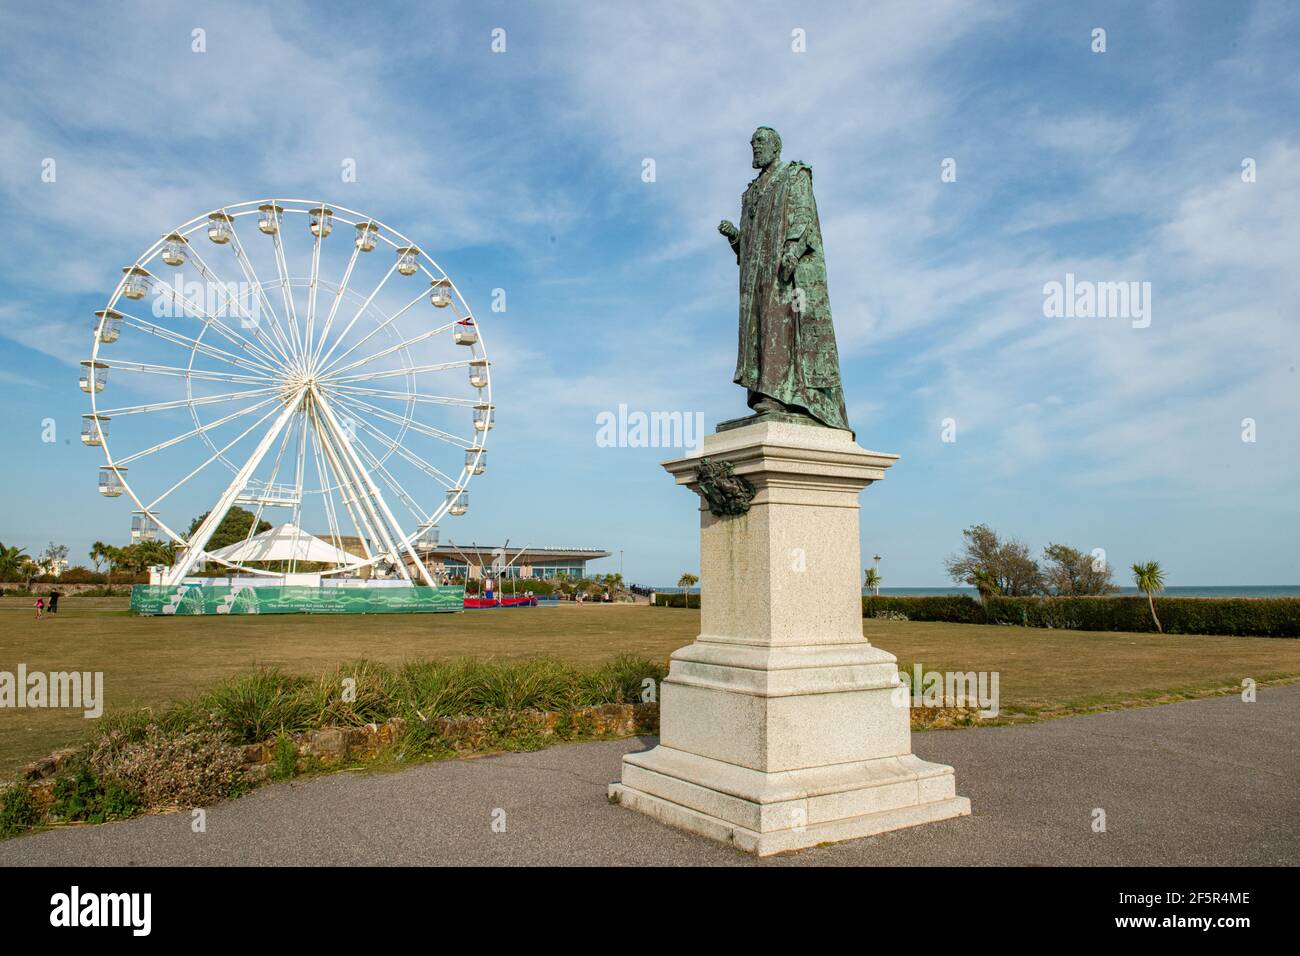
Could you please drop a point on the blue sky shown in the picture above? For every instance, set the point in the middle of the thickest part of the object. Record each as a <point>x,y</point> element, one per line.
<point>522,171</point>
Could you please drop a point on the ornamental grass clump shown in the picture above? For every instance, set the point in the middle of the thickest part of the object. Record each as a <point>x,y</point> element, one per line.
<point>258,705</point>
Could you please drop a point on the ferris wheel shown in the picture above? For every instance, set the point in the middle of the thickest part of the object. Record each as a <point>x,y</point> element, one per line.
<point>302,361</point>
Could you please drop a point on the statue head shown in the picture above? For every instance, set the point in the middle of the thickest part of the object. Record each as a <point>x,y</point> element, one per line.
<point>766,144</point>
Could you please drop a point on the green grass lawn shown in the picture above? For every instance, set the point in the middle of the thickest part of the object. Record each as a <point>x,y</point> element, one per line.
<point>152,661</point>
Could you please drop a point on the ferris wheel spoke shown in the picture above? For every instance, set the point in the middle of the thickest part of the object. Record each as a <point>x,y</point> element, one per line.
<point>338,300</point>
<point>348,390</point>
<point>398,372</point>
<point>446,480</point>
<point>246,318</point>
<point>414,340</point>
<point>313,286</point>
<point>185,341</point>
<point>286,292</point>
<point>373,332</point>
<point>196,311</point>
<point>201,430</point>
<point>177,372</point>
<point>320,362</point>
<point>251,428</point>
<point>251,277</point>
<point>403,496</point>
<point>185,402</point>
<point>410,423</point>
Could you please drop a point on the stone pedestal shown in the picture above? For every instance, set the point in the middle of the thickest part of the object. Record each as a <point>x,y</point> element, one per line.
<point>781,727</point>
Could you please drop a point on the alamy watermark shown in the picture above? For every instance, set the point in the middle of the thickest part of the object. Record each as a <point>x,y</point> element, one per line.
<point>1080,298</point>
<point>637,429</point>
<point>923,688</point>
<point>220,300</point>
<point>75,690</point>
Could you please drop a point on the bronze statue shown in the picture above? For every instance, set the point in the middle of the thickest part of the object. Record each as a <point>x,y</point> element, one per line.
<point>787,362</point>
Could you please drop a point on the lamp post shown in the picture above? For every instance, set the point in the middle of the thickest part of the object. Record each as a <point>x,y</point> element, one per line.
<point>876,559</point>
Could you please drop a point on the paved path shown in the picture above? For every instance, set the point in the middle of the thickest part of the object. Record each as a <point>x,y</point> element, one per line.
<point>1207,782</point>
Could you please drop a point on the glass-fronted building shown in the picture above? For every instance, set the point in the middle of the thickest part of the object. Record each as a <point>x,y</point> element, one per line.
<point>504,563</point>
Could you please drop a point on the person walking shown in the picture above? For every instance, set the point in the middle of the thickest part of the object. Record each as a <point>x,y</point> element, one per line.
<point>40,608</point>
<point>54,601</point>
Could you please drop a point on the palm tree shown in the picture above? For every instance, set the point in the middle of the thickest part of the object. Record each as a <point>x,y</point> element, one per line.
<point>11,562</point>
<point>98,554</point>
<point>986,583</point>
<point>687,582</point>
<point>872,581</point>
<point>1149,578</point>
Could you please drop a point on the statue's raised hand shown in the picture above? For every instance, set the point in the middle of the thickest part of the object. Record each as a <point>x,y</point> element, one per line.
<point>728,229</point>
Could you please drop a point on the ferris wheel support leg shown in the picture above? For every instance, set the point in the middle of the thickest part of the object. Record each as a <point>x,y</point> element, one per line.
<point>353,473</point>
<point>373,489</point>
<point>199,540</point>
<point>345,486</point>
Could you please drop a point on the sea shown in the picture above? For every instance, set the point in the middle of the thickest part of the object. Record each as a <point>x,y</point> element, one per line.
<point>1203,591</point>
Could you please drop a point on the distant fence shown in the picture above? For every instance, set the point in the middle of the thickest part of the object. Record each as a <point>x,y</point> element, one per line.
<point>1239,617</point>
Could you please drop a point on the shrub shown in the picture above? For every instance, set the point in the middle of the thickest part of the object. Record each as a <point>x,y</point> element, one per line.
<point>167,769</point>
<point>82,795</point>
<point>1247,617</point>
<point>949,608</point>
<point>678,599</point>
<point>80,574</point>
<point>18,811</point>
<point>1244,617</point>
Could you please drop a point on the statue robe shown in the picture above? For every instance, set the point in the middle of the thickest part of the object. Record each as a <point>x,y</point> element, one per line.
<point>787,347</point>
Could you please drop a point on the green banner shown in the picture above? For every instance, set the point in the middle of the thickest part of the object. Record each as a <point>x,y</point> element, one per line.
<point>246,599</point>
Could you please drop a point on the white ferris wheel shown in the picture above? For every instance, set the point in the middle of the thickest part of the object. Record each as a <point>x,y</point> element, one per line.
<point>302,361</point>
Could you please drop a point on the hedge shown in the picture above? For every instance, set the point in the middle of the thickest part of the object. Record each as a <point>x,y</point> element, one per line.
<point>949,608</point>
<point>1241,617</point>
<point>677,599</point>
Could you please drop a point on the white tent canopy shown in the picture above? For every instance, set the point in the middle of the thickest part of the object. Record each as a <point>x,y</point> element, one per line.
<point>285,543</point>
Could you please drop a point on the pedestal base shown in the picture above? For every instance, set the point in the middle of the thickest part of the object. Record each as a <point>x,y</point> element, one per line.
<point>781,727</point>
<point>901,796</point>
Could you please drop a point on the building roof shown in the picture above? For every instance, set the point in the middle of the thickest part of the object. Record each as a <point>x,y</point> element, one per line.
<point>455,549</point>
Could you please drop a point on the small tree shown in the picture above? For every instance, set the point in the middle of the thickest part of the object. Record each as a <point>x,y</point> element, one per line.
<point>1070,571</point>
<point>1150,578</point>
<point>687,580</point>
<point>987,558</point>
<point>233,528</point>
<point>52,558</point>
<point>872,581</point>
